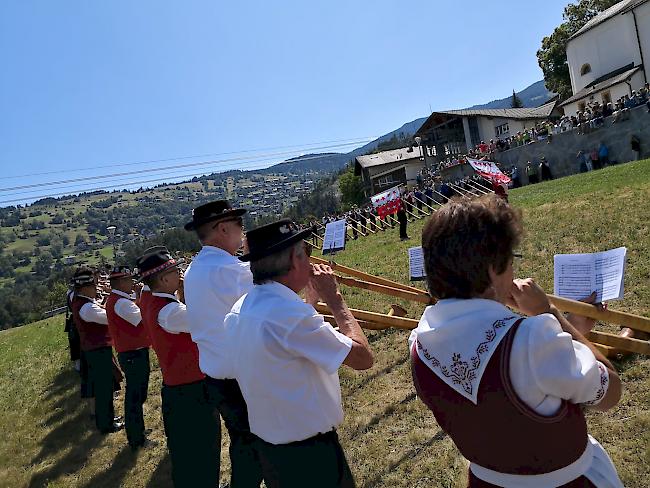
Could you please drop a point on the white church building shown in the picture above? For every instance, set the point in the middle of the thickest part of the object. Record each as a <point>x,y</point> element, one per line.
<point>608,57</point>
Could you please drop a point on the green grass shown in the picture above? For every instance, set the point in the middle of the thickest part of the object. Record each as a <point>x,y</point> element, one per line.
<point>390,438</point>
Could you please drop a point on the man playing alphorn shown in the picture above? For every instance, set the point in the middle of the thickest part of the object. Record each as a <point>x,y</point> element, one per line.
<point>214,281</point>
<point>286,359</point>
<point>190,427</point>
<point>132,342</point>
<point>96,348</point>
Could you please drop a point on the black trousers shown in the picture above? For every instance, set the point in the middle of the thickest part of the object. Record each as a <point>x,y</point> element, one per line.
<point>135,366</point>
<point>100,379</point>
<point>73,341</point>
<point>317,462</point>
<point>401,217</point>
<point>226,397</point>
<point>193,435</point>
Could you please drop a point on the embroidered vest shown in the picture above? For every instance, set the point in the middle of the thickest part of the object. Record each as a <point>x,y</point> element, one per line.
<point>502,433</point>
<point>177,355</point>
<point>91,335</point>
<point>126,336</point>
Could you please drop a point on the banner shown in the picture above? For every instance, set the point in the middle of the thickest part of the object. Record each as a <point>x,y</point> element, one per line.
<point>387,202</point>
<point>488,170</point>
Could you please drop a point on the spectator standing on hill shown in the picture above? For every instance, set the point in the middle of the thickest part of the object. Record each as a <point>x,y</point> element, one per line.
<point>214,281</point>
<point>595,162</point>
<point>510,389</point>
<point>635,144</point>
<point>531,172</point>
<point>403,221</point>
<point>514,176</point>
<point>603,155</point>
<point>545,170</point>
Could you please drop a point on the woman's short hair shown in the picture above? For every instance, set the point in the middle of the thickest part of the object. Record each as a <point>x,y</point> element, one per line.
<point>275,265</point>
<point>463,239</point>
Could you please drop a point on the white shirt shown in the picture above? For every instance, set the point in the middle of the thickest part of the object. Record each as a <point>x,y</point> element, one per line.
<point>214,281</point>
<point>285,358</point>
<point>173,316</point>
<point>93,312</point>
<point>546,366</point>
<point>126,308</point>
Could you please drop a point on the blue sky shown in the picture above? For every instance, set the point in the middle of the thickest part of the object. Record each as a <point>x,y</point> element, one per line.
<point>90,84</point>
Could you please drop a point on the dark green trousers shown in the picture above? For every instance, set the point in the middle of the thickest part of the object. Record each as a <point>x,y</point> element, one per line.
<point>100,378</point>
<point>135,366</point>
<point>317,462</point>
<point>193,435</point>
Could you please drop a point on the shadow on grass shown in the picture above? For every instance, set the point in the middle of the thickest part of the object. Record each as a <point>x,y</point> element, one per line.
<point>118,470</point>
<point>162,476</point>
<point>387,412</point>
<point>75,435</point>
<point>385,370</point>
<point>409,455</point>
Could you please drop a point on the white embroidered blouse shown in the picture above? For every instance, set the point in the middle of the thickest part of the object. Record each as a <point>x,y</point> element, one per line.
<point>458,337</point>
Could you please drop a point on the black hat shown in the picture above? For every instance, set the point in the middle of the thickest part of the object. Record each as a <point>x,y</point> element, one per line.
<point>155,262</point>
<point>217,210</point>
<point>271,238</point>
<point>83,277</point>
<point>120,271</point>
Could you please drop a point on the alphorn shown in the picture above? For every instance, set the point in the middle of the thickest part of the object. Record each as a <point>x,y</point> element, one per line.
<point>424,203</point>
<point>395,289</point>
<point>478,188</point>
<point>358,222</point>
<point>365,276</point>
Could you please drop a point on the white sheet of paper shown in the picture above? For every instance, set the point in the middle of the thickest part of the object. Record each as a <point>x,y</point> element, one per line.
<point>578,275</point>
<point>334,239</point>
<point>416,264</point>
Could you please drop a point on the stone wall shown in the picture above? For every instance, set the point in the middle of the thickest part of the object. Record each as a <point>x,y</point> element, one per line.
<point>561,152</point>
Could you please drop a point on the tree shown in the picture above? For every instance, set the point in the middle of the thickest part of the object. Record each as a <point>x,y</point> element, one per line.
<point>351,188</point>
<point>552,55</point>
<point>516,101</point>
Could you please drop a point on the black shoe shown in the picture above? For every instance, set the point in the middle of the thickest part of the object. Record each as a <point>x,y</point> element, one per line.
<point>146,443</point>
<point>116,427</point>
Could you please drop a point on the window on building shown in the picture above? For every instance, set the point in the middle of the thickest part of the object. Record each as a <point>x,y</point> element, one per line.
<point>502,129</point>
<point>581,107</point>
<point>607,98</point>
<point>586,68</point>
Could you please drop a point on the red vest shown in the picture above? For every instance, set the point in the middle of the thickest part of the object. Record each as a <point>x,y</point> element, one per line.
<point>126,336</point>
<point>502,433</point>
<point>91,334</point>
<point>177,354</point>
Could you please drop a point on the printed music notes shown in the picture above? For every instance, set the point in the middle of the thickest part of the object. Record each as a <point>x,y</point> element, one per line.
<point>334,239</point>
<point>416,264</point>
<point>577,275</point>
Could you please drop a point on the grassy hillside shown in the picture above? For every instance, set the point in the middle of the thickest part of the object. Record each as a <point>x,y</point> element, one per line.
<point>389,436</point>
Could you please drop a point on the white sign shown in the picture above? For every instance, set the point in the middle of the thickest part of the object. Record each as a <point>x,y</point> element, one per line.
<point>416,264</point>
<point>578,275</point>
<point>334,239</point>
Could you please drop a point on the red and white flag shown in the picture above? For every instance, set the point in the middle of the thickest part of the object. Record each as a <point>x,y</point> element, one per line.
<point>387,202</point>
<point>488,170</point>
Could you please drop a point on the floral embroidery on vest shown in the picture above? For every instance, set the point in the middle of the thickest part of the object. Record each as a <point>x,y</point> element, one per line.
<point>464,372</point>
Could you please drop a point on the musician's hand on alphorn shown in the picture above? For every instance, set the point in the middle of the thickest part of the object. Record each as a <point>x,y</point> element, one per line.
<point>324,283</point>
<point>584,325</point>
<point>528,297</point>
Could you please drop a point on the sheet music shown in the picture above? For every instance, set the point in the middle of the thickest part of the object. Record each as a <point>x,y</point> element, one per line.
<point>578,275</point>
<point>416,264</point>
<point>334,239</point>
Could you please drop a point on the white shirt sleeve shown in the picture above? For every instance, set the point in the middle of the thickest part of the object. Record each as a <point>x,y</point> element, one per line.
<point>316,340</point>
<point>129,311</point>
<point>546,359</point>
<point>92,312</point>
<point>173,318</point>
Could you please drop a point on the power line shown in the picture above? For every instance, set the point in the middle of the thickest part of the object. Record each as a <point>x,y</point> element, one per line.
<point>128,182</point>
<point>151,161</point>
<point>186,165</point>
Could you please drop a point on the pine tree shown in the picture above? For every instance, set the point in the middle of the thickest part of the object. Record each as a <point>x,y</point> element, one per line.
<point>516,101</point>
